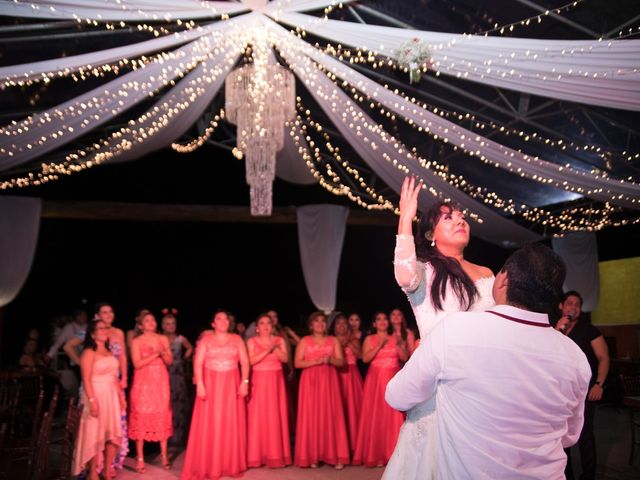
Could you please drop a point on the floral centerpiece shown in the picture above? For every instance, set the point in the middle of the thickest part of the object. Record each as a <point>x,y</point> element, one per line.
<point>413,54</point>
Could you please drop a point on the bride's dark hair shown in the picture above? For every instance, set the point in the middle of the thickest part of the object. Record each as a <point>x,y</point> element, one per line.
<point>446,269</point>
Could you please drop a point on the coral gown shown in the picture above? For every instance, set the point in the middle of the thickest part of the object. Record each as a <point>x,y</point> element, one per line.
<point>94,432</point>
<point>351,388</point>
<point>321,432</point>
<point>150,416</point>
<point>217,442</point>
<point>379,423</point>
<point>267,418</point>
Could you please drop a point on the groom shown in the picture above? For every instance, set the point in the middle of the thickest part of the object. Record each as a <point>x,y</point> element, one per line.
<point>509,389</point>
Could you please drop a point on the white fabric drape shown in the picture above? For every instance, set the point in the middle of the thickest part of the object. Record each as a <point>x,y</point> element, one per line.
<point>19,225</point>
<point>290,165</point>
<point>35,70</point>
<point>355,126</point>
<point>605,73</point>
<point>21,142</point>
<point>321,230</point>
<point>579,250</point>
<point>110,10</point>
<point>593,186</point>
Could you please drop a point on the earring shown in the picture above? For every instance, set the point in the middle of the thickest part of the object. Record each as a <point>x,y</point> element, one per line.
<point>433,243</point>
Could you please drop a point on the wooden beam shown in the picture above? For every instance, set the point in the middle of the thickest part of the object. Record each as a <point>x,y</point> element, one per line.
<point>147,212</point>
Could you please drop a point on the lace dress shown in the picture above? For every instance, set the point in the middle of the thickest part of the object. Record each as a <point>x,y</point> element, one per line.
<point>150,400</point>
<point>415,454</point>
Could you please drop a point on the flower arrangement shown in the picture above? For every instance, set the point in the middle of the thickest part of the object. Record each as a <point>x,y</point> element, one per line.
<point>413,54</point>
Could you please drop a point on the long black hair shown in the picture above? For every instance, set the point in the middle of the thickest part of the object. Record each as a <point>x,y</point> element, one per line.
<point>89,342</point>
<point>446,269</point>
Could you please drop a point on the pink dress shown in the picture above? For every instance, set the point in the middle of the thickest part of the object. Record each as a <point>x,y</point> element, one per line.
<point>267,418</point>
<point>217,442</point>
<point>351,387</point>
<point>94,432</point>
<point>379,423</point>
<point>321,432</point>
<point>150,416</point>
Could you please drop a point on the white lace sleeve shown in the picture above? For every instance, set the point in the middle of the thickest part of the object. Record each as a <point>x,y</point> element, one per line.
<point>407,271</point>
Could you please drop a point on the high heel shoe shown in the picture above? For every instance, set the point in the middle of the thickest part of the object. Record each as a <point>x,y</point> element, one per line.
<point>140,468</point>
<point>166,464</point>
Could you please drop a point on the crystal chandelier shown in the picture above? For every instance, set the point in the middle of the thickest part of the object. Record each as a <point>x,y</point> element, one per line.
<point>259,99</point>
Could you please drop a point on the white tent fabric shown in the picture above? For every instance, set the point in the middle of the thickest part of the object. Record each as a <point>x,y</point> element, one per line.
<point>36,70</point>
<point>579,251</point>
<point>110,10</point>
<point>605,73</point>
<point>354,125</point>
<point>321,230</point>
<point>290,166</point>
<point>22,142</point>
<point>593,186</point>
<point>19,225</point>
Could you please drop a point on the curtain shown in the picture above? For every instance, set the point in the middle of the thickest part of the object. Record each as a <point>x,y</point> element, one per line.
<point>321,231</point>
<point>290,166</point>
<point>19,225</point>
<point>579,251</point>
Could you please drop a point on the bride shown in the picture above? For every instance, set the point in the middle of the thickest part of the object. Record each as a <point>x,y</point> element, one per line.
<point>438,280</point>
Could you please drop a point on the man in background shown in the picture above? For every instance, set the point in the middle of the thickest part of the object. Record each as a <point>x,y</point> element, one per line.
<point>592,343</point>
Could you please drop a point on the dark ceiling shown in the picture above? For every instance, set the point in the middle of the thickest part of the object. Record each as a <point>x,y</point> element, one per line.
<point>213,176</point>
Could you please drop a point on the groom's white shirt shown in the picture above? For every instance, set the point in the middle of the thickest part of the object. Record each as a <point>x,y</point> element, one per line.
<point>509,389</point>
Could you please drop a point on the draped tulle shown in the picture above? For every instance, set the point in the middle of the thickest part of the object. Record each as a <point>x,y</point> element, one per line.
<point>268,422</point>
<point>217,442</point>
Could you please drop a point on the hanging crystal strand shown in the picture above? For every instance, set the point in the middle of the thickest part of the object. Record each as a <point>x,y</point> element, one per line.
<point>260,98</point>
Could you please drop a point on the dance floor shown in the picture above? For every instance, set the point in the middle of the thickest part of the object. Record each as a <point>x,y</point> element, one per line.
<point>613,437</point>
<point>156,472</point>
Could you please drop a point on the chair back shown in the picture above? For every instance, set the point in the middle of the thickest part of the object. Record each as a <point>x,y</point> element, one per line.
<point>9,400</point>
<point>70,435</point>
<point>630,385</point>
<point>38,465</point>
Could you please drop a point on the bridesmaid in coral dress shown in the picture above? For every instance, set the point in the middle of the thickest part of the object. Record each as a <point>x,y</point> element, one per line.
<point>349,375</point>
<point>150,416</point>
<point>100,431</point>
<point>379,423</point>
<point>321,432</point>
<point>217,442</point>
<point>267,418</point>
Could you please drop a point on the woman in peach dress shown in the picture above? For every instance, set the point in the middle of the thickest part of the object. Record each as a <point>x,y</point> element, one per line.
<point>268,422</point>
<point>100,432</point>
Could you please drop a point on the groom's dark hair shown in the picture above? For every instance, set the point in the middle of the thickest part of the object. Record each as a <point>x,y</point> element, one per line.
<point>535,275</point>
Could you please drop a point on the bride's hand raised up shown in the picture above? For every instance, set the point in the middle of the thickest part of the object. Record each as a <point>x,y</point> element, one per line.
<point>408,204</point>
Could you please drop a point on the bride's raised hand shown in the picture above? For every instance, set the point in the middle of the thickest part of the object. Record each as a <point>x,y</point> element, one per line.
<point>409,202</point>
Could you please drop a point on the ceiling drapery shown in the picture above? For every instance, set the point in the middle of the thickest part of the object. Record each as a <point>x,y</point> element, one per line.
<point>185,70</point>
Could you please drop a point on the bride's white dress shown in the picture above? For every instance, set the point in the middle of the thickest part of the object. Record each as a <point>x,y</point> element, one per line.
<point>415,454</point>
